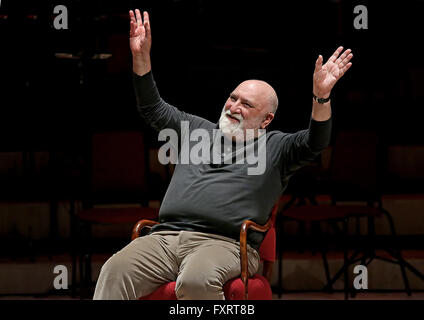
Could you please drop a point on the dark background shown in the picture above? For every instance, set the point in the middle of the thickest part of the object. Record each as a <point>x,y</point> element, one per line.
<point>201,51</point>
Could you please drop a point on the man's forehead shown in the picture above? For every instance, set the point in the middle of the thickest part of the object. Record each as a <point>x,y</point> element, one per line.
<point>253,89</point>
<point>253,85</point>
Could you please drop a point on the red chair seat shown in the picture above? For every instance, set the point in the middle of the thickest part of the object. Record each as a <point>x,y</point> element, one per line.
<point>259,289</point>
<point>164,292</point>
<point>321,212</point>
<point>258,286</point>
<point>118,215</point>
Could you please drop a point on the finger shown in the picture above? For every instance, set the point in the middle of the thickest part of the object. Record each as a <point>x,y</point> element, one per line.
<point>343,56</point>
<point>133,26</point>
<point>318,63</point>
<point>345,68</point>
<point>345,61</point>
<point>336,54</point>
<point>139,20</point>
<point>147,24</point>
<point>132,17</point>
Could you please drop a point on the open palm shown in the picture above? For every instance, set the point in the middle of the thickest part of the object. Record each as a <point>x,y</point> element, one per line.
<point>326,76</point>
<point>140,33</point>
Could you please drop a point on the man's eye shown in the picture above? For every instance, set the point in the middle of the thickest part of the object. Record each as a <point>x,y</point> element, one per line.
<point>233,98</point>
<point>248,105</point>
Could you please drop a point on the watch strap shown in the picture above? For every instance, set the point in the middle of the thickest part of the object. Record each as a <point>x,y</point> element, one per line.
<point>320,100</point>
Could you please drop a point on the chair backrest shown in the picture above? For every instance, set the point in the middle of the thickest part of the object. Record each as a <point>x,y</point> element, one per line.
<point>353,167</point>
<point>268,246</point>
<point>118,167</point>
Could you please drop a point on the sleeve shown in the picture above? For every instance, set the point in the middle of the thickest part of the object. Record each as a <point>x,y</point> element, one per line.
<point>155,111</point>
<point>302,147</point>
<point>158,113</point>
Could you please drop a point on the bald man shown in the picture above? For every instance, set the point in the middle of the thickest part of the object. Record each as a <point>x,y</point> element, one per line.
<point>196,242</point>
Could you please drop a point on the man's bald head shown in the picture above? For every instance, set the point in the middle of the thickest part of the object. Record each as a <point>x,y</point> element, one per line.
<point>263,92</point>
<point>251,105</point>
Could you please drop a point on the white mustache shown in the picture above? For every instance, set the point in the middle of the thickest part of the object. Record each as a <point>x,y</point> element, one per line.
<point>234,115</point>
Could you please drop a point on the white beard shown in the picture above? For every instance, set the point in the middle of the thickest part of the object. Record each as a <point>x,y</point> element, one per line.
<point>231,129</point>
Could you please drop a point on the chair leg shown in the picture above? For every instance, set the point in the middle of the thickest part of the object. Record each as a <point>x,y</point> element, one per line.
<point>345,259</point>
<point>406,264</point>
<point>398,255</point>
<point>81,283</point>
<point>73,246</point>
<point>280,276</point>
<point>280,233</point>
<point>404,276</point>
<point>74,273</point>
<point>342,232</point>
<point>323,250</point>
<point>327,270</point>
<point>347,262</point>
<point>403,265</point>
<point>85,260</point>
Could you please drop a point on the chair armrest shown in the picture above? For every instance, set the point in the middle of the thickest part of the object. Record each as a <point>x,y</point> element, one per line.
<point>248,224</point>
<point>140,225</point>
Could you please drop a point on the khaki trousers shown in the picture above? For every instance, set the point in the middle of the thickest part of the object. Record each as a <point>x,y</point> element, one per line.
<point>200,263</point>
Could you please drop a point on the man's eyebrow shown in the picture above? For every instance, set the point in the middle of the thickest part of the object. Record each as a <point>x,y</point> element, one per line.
<point>248,102</point>
<point>232,94</point>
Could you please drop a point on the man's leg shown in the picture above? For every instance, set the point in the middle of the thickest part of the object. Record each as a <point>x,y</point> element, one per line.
<point>210,261</point>
<point>139,268</point>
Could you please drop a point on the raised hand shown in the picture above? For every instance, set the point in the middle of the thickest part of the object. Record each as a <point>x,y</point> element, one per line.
<point>140,33</point>
<point>326,76</point>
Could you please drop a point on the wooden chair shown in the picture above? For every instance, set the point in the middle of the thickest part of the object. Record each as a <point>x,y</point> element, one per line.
<point>255,288</point>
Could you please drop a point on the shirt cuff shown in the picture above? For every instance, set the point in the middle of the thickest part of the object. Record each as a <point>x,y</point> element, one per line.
<point>319,134</point>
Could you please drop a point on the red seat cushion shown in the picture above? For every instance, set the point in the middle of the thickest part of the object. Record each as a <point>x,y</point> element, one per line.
<point>118,215</point>
<point>259,289</point>
<point>164,292</point>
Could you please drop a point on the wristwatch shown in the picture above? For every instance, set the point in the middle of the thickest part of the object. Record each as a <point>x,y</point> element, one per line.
<point>320,100</point>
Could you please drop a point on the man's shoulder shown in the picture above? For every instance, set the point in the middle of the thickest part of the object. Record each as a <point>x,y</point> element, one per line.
<point>275,135</point>
<point>197,122</point>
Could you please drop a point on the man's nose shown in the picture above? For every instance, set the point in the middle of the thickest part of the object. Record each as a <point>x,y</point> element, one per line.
<point>236,107</point>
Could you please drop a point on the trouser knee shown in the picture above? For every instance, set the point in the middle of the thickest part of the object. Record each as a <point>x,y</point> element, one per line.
<point>115,268</point>
<point>198,288</point>
<point>115,280</point>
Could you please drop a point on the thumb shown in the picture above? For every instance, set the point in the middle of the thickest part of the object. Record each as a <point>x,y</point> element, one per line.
<point>318,63</point>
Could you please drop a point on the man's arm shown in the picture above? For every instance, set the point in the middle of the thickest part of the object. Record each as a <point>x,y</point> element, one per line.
<point>325,77</point>
<point>304,146</point>
<point>156,112</point>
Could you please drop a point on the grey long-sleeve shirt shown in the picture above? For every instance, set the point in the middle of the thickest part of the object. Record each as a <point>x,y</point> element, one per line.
<point>218,198</point>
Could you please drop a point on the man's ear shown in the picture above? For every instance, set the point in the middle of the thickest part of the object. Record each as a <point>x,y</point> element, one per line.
<point>267,120</point>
